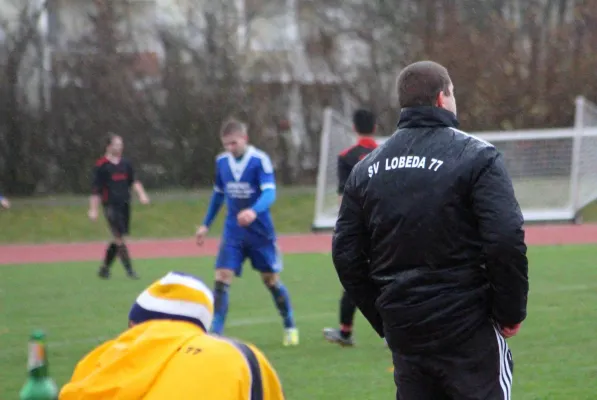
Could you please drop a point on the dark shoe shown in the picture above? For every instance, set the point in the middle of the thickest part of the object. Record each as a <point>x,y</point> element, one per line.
<point>132,275</point>
<point>104,273</point>
<point>334,336</point>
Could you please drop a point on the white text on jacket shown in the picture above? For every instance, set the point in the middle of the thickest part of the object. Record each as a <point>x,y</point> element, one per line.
<point>406,162</point>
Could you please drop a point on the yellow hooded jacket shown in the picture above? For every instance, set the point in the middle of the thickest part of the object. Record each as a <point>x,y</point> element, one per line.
<point>172,360</point>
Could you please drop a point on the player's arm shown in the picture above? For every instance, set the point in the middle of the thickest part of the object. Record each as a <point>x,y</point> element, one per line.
<point>216,201</point>
<point>267,184</point>
<point>350,253</point>
<point>97,185</point>
<point>215,204</point>
<point>265,200</point>
<point>500,224</point>
<point>342,172</point>
<point>137,185</point>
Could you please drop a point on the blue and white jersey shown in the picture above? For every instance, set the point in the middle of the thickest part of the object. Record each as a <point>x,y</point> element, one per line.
<point>242,181</point>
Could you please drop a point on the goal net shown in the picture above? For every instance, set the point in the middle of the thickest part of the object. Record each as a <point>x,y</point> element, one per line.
<point>584,163</point>
<point>554,171</point>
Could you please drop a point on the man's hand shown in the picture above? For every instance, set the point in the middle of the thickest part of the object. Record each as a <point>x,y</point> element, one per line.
<point>92,214</point>
<point>201,234</point>
<point>5,203</point>
<point>140,190</point>
<point>246,217</point>
<point>143,198</point>
<point>509,331</point>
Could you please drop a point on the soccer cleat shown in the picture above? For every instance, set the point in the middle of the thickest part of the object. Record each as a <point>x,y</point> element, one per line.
<point>132,274</point>
<point>291,337</point>
<point>103,272</point>
<point>333,335</point>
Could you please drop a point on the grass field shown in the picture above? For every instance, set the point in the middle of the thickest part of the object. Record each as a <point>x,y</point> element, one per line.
<point>171,215</point>
<point>555,352</point>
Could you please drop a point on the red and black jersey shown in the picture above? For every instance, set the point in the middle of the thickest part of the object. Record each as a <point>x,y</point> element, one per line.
<point>113,181</point>
<point>349,157</point>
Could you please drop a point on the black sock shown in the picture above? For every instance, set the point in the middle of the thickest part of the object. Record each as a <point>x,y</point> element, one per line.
<point>123,253</point>
<point>110,255</point>
<point>347,311</point>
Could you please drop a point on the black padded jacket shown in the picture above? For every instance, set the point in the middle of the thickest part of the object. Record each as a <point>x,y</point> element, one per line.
<point>429,241</point>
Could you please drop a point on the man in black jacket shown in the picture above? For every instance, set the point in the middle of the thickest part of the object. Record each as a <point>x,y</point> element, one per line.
<point>429,244</point>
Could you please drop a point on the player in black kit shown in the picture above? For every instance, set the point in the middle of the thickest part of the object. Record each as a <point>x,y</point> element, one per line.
<point>364,126</point>
<point>113,177</point>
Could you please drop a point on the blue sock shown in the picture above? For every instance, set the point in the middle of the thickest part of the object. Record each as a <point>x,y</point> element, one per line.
<point>220,307</point>
<point>282,300</point>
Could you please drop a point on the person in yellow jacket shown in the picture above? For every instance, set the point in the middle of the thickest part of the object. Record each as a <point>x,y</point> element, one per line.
<point>166,354</point>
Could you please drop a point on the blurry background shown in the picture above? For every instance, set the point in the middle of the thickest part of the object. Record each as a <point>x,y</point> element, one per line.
<point>164,73</point>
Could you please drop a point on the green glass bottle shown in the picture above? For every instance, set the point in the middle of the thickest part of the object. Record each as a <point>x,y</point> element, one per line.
<point>39,385</point>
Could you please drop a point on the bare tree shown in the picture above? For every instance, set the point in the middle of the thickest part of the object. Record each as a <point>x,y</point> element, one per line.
<point>515,64</point>
<point>21,149</point>
<point>95,94</point>
<point>509,59</point>
<point>203,85</point>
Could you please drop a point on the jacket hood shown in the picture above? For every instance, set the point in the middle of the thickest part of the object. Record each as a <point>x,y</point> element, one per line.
<point>125,368</point>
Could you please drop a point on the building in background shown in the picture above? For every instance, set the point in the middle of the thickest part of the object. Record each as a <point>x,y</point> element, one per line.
<point>283,52</point>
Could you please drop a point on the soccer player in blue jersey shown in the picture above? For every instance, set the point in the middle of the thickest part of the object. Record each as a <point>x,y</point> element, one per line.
<point>245,180</point>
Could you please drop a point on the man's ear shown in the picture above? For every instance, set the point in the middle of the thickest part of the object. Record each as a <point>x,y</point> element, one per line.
<point>439,101</point>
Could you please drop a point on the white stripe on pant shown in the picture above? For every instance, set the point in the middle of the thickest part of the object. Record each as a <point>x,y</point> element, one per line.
<point>505,375</point>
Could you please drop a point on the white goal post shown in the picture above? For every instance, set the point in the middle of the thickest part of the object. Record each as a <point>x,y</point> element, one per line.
<point>554,171</point>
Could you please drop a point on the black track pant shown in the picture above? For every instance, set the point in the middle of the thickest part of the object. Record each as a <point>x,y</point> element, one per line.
<point>478,369</point>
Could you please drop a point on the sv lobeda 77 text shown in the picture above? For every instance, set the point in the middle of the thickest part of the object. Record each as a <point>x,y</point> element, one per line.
<point>406,162</point>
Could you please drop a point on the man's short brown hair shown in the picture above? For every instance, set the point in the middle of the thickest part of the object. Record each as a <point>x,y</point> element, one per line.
<point>110,136</point>
<point>420,83</point>
<point>232,125</point>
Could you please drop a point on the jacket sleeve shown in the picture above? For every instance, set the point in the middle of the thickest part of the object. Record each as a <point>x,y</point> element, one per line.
<point>350,248</point>
<point>500,223</point>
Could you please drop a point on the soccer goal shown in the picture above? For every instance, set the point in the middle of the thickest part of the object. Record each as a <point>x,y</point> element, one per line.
<point>554,171</point>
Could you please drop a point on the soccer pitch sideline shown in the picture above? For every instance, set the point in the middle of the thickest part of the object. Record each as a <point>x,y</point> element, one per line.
<point>554,353</point>
<point>172,214</point>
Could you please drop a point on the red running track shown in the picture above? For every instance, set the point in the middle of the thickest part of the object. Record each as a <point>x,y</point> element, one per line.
<point>289,244</point>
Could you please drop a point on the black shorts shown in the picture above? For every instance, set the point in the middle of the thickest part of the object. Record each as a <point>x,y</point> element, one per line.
<point>118,217</point>
<point>479,368</point>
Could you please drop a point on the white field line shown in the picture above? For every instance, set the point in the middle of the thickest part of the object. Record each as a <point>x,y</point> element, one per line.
<point>231,324</point>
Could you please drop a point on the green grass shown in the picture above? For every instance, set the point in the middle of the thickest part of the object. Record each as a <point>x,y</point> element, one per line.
<point>171,215</point>
<point>589,214</point>
<point>554,353</point>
